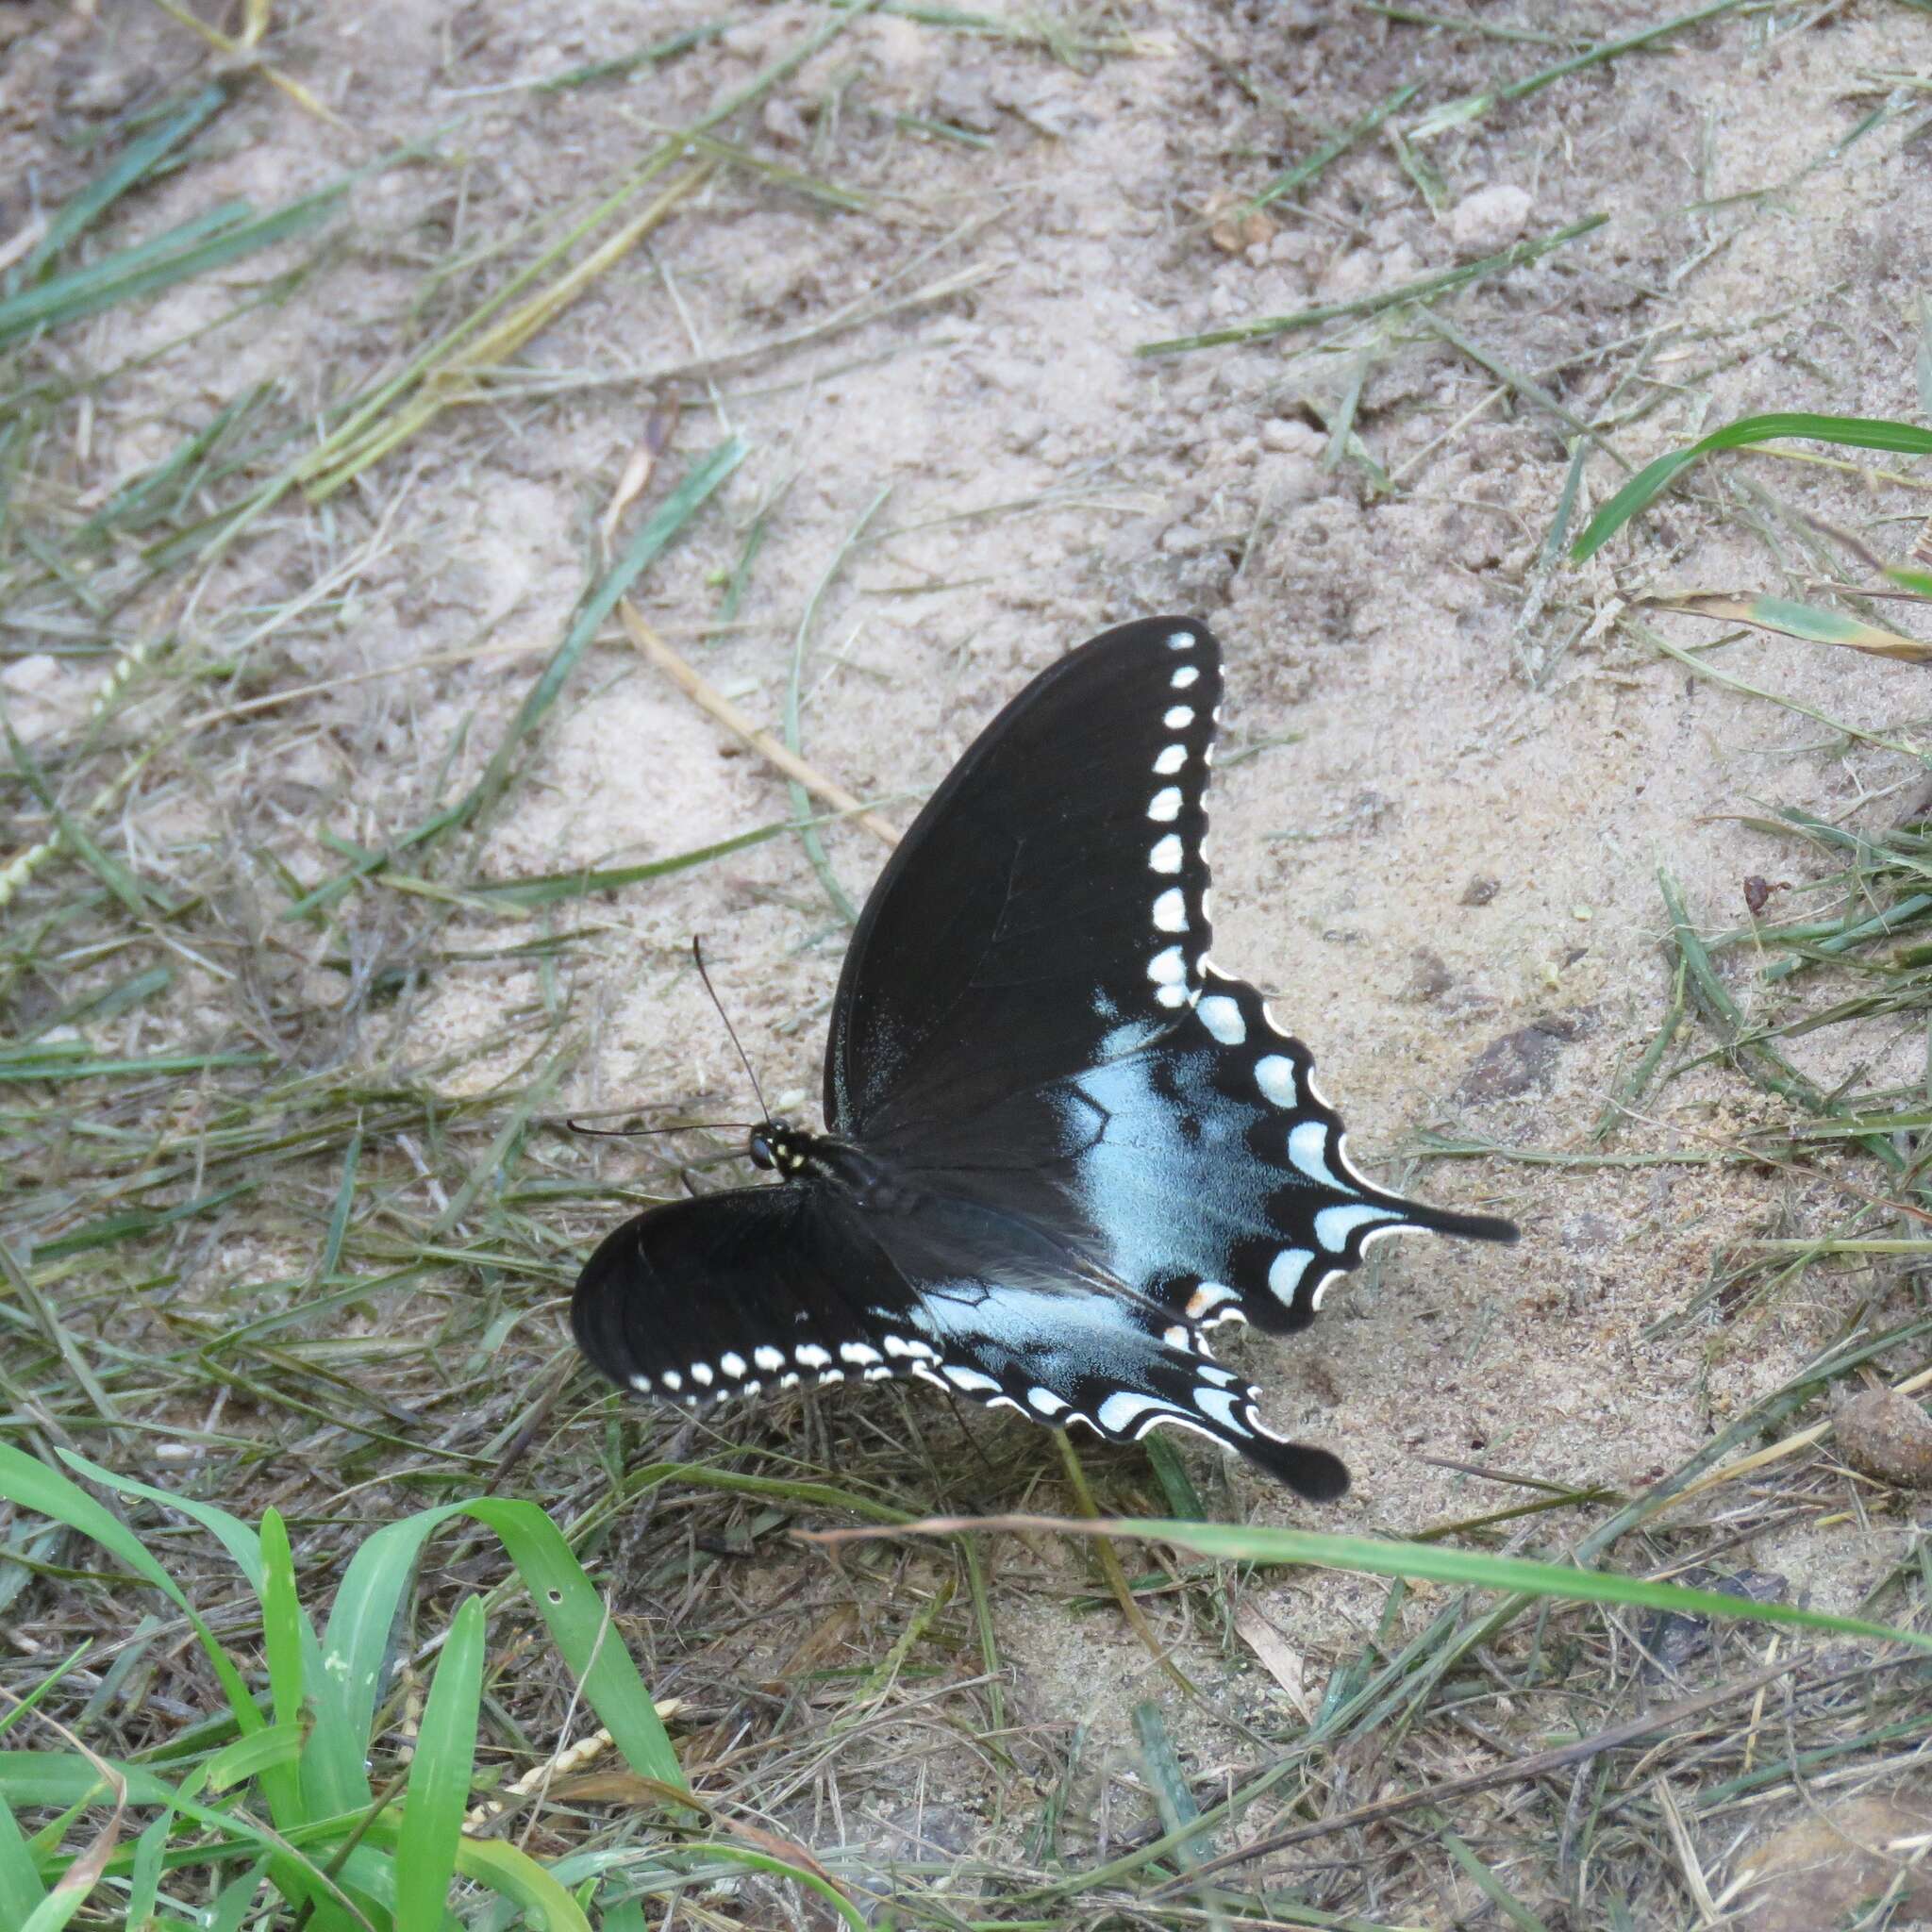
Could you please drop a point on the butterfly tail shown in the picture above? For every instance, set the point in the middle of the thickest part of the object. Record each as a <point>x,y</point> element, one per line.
<point>1310,1472</point>
<point>1471,1227</point>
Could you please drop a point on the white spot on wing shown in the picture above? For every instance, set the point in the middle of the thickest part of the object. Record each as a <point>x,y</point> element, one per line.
<point>858,1353</point>
<point>673,1380</point>
<point>1176,1336</point>
<point>1123,1408</point>
<point>1167,966</point>
<point>1178,717</point>
<point>1180,640</point>
<point>701,1374</point>
<point>1172,995</point>
<point>1275,1077</point>
<point>1165,805</point>
<point>1173,757</point>
<point>768,1359</point>
<point>1219,1403</point>
<point>1222,1018</point>
<point>810,1356</point>
<point>1170,911</point>
<point>1166,856</point>
<point>733,1364</point>
<point>1286,1271</point>
<point>1186,675</point>
<point>1334,1225</point>
<point>1307,1147</point>
<point>1207,1297</point>
<point>1045,1401</point>
<point>969,1380</point>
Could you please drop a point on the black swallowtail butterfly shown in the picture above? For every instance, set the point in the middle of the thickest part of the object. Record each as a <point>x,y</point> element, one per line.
<point>1060,1145</point>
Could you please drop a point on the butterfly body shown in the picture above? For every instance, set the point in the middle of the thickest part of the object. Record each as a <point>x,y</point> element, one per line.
<point>1061,1145</point>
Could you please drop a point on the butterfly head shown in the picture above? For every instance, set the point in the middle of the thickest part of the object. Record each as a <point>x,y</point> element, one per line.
<point>779,1147</point>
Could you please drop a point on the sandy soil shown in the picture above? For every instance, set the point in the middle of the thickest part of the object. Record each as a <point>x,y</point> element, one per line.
<point>1441,857</point>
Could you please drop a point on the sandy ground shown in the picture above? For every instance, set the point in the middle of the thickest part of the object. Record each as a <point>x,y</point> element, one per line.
<point>1441,858</point>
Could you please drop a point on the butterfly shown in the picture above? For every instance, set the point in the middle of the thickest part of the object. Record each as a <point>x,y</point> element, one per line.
<point>1060,1145</point>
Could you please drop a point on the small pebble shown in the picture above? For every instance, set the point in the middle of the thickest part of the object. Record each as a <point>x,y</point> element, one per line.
<point>1888,1436</point>
<point>1489,220</point>
<point>1824,1871</point>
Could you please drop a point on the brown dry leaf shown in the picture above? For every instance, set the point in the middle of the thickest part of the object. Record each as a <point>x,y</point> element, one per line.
<point>781,1848</point>
<point>637,471</point>
<point>1277,1655</point>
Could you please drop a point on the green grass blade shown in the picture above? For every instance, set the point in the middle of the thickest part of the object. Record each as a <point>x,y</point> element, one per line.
<point>132,165</point>
<point>31,1485</point>
<point>439,1792</point>
<point>45,1778</point>
<point>365,1608</point>
<point>671,516</point>
<point>1855,432</point>
<point>250,1757</point>
<point>545,888</point>
<point>339,1214</point>
<point>110,873</point>
<point>21,1890</point>
<point>281,1645</point>
<point>1304,170</point>
<point>195,249</point>
<point>1519,1575</point>
<point>1790,619</point>
<point>70,1059</point>
<point>1459,113</point>
<point>518,1877</point>
<point>1519,255</point>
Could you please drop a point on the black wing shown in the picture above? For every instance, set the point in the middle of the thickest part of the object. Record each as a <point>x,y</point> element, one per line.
<point>1050,895</point>
<point>764,1288</point>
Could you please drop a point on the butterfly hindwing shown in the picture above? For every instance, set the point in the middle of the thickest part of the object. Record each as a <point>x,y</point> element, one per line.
<point>735,1292</point>
<point>767,1287</point>
<point>1219,1174</point>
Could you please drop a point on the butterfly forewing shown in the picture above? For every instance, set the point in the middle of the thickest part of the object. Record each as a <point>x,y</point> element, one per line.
<point>1050,896</point>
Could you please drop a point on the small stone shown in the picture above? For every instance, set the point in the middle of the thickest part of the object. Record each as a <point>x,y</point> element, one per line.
<point>1430,977</point>
<point>1887,1435</point>
<point>1825,1869</point>
<point>1289,436</point>
<point>1234,228</point>
<point>1479,892</point>
<point>1490,219</point>
<point>783,122</point>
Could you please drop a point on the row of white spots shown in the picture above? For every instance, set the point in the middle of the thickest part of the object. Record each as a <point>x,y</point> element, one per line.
<point>1168,968</point>
<point>807,1355</point>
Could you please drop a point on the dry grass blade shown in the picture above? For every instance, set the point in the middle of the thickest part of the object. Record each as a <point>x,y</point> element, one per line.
<point>242,52</point>
<point>1793,620</point>
<point>697,687</point>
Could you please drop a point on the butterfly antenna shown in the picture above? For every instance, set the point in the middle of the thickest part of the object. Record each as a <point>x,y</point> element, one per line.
<point>576,1127</point>
<point>697,954</point>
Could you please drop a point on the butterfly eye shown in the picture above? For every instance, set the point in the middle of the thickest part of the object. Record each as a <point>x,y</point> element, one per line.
<point>761,1151</point>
